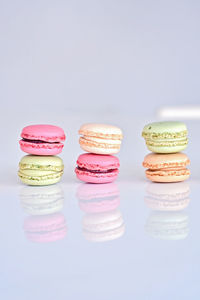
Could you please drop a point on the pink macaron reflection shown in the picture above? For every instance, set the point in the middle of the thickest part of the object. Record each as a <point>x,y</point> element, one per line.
<point>98,198</point>
<point>45,229</point>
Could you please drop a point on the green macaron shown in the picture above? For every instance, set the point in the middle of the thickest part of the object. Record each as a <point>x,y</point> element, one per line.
<point>165,137</point>
<point>40,170</point>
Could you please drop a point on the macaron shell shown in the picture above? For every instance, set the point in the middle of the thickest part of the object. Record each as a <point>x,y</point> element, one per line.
<point>98,148</point>
<point>90,177</point>
<point>159,161</point>
<point>101,131</point>
<point>43,132</point>
<point>98,162</point>
<point>168,175</point>
<point>41,148</point>
<point>40,182</point>
<point>169,149</point>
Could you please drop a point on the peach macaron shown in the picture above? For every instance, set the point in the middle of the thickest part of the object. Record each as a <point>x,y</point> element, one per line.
<point>100,138</point>
<point>166,167</point>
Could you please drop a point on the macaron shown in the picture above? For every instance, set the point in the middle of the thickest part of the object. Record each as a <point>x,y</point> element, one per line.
<point>96,198</point>
<point>45,229</point>
<point>166,137</point>
<point>40,170</point>
<point>100,138</point>
<point>42,139</point>
<point>166,167</point>
<point>168,197</point>
<point>94,168</point>
<point>168,225</point>
<point>103,227</point>
<point>42,200</point>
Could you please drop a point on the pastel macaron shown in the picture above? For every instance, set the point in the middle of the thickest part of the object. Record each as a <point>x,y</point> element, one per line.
<point>166,137</point>
<point>40,170</point>
<point>94,168</point>
<point>42,139</point>
<point>166,167</point>
<point>45,229</point>
<point>100,138</point>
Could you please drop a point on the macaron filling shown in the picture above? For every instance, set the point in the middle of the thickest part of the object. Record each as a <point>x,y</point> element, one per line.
<point>97,171</point>
<point>38,141</point>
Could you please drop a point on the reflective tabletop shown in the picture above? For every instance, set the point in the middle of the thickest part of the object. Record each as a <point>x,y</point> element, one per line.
<point>131,239</point>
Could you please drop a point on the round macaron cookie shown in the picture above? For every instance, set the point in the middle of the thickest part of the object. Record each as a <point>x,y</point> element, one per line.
<point>100,138</point>
<point>40,170</point>
<point>42,139</point>
<point>103,227</point>
<point>165,137</point>
<point>168,225</point>
<point>168,197</point>
<point>96,198</point>
<point>45,229</point>
<point>94,168</point>
<point>166,167</point>
<point>42,200</point>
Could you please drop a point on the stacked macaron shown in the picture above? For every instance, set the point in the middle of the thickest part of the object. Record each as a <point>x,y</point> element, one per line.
<point>42,143</point>
<point>166,140</point>
<point>45,222</point>
<point>99,165</point>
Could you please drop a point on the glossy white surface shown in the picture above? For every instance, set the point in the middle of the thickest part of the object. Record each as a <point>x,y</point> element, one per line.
<point>136,265</point>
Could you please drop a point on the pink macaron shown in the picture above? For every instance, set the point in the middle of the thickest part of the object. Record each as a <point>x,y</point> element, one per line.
<point>42,139</point>
<point>94,168</point>
<point>45,229</point>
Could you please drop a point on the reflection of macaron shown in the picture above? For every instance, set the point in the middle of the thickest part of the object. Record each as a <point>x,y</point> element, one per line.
<point>168,225</point>
<point>98,198</point>
<point>166,167</point>
<point>166,137</point>
<point>94,168</point>
<point>40,170</point>
<point>103,227</point>
<point>168,196</point>
<point>42,200</point>
<point>44,229</point>
<point>100,138</point>
<point>42,139</point>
